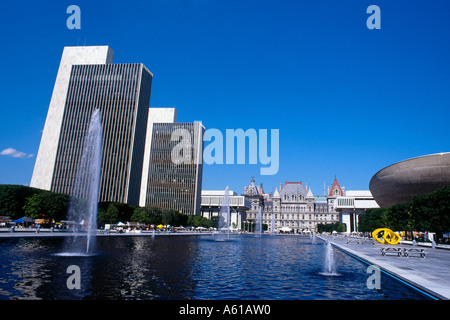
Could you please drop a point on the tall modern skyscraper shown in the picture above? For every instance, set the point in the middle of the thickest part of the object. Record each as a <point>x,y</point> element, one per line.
<point>172,174</point>
<point>87,80</point>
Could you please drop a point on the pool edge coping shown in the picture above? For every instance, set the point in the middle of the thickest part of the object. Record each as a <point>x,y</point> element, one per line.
<point>391,270</point>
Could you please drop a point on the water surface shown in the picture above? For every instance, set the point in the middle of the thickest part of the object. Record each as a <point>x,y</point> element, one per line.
<point>188,267</point>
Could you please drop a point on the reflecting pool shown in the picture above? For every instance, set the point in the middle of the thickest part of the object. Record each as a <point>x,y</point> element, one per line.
<point>281,267</point>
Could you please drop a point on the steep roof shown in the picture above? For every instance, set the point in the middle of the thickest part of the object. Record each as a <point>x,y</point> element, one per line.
<point>252,189</point>
<point>333,187</point>
<point>293,188</point>
<point>276,194</point>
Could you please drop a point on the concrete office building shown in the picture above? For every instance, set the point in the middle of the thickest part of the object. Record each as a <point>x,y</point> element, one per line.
<point>46,158</point>
<point>155,115</point>
<point>139,143</point>
<point>87,80</point>
<point>172,180</point>
<point>212,202</point>
<point>351,205</point>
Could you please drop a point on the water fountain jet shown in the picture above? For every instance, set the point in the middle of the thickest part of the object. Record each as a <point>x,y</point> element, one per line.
<point>259,223</point>
<point>330,263</point>
<point>84,197</point>
<point>272,230</point>
<point>313,237</point>
<point>224,217</point>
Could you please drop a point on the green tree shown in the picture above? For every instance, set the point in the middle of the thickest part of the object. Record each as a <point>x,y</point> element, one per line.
<point>57,205</point>
<point>432,212</point>
<point>182,219</point>
<point>441,202</point>
<point>429,212</point>
<point>52,205</point>
<point>168,217</point>
<point>33,206</point>
<point>372,219</point>
<point>399,217</point>
<point>141,215</point>
<point>110,215</point>
<point>125,211</point>
<point>341,227</point>
<point>173,218</point>
<point>155,215</point>
<point>330,227</point>
<point>12,199</point>
<point>199,221</point>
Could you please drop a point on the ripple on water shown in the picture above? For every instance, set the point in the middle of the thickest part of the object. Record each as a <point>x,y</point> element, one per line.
<point>188,267</point>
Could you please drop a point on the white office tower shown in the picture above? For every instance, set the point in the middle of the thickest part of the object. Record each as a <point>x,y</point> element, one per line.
<point>172,174</point>
<point>88,80</point>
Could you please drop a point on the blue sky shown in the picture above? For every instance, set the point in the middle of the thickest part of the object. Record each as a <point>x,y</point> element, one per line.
<point>347,100</point>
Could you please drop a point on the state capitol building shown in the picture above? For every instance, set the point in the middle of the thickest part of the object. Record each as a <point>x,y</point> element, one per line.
<point>294,206</point>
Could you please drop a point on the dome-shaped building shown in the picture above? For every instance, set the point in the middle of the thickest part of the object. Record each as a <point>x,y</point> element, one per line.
<point>403,180</point>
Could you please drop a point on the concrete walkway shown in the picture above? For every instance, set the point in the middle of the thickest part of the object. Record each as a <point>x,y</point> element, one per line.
<point>430,274</point>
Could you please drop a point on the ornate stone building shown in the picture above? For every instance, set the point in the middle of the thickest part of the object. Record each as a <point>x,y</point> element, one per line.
<point>293,207</point>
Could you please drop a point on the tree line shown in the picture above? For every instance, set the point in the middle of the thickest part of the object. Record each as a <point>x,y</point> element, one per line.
<point>17,201</point>
<point>330,227</point>
<point>429,212</point>
<point>113,212</point>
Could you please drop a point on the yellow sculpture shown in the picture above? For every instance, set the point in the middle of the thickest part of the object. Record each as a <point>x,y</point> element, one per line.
<point>387,237</point>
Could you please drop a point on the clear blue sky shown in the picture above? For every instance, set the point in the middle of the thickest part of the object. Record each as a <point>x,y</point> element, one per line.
<point>347,100</point>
